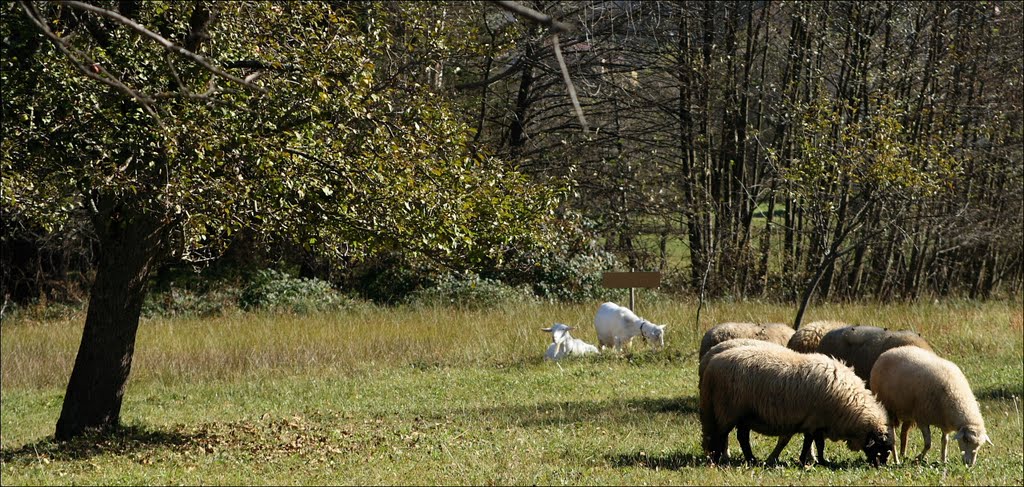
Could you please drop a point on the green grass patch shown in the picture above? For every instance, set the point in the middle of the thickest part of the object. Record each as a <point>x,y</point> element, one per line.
<point>441,396</point>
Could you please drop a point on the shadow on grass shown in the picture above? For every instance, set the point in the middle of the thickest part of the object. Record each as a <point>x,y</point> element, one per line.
<point>617,410</point>
<point>680,460</point>
<point>1001,392</point>
<point>125,440</point>
<point>671,461</point>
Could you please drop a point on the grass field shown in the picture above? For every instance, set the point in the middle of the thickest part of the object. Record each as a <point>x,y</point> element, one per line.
<point>442,396</point>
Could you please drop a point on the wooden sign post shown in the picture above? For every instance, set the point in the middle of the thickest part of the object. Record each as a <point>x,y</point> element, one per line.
<point>631,280</point>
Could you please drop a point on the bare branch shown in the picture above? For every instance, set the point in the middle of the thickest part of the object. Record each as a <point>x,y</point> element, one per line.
<point>543,19</point>
<point>568,82</point>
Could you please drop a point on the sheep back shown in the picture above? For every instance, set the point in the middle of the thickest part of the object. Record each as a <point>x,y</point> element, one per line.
<point>778,333</point>
<point>860,345</point>
<point>728,345</point>
<point>776,391</point>
<point>807,337</point>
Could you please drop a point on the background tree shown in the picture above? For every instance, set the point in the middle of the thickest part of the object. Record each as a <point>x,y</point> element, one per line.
<point>174,125</point>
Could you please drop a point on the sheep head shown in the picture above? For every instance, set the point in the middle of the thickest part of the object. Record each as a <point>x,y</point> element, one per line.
<point>970,440</point>
<point>877,448</point>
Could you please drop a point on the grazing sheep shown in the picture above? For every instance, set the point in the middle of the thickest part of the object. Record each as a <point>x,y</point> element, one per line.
<point>770,332</point>
<point>563,344</point>
<point>918,387</point>
<point>729,345</point>
<point>807,337</point>
<point>859,346</point>
<point>778,392</point>
<point>617,325</point>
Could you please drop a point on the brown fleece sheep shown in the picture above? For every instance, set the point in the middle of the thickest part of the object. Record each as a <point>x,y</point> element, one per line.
<point>778,392</point>
<point>918,387</point>
<point>807,338</point>
<point>859,346</point>
<point>770,332</point>
<point>729,345</point>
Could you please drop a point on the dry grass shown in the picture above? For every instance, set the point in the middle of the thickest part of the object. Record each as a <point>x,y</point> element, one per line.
<point>443,396</point>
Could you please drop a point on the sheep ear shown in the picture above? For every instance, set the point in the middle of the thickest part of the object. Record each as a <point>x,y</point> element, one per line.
<point>959,434</point>
<point>546,329</point>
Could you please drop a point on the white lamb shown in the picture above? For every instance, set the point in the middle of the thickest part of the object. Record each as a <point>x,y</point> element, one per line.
<point>617,325</point>
<point>563,344</point>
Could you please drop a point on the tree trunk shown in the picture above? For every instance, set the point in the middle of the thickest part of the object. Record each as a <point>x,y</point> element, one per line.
<point>129,248</point>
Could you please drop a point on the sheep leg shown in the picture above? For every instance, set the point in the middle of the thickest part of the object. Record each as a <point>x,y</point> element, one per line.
<point>743,436</point>
<point>926,432</point>
<point>904,432</point>
<point>945,439</point>
<point>819,444</point>
<point>892,434</point>
<point>806,455</point>
<point>716,446</point>
<point>774,457</point>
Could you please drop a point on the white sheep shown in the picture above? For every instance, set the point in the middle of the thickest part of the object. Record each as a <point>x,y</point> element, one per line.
<point>778,333</point>
<point>808,337</point>
<point>918,387</point>
<point>563,344</point>
<point>779,392</point>
<point>859,346</point>
<point>617,325</point>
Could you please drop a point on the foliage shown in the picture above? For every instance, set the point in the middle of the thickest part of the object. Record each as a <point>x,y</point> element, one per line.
<point>329,143</point>
<point>565,267</point>
<point>470,291</point>
<point>177,301</point>
<point>274,290</point>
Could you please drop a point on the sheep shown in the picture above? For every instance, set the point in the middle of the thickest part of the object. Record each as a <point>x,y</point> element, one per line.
<point>807,337</point>
<point>918,387</point>
<point>617,325</point>
<point>563,344</point>
<point>779,392</point>
<point>859,346</point>
<point>771,332</point>
<point>728,345</point>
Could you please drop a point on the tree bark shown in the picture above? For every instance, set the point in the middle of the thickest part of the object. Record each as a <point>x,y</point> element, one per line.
<point>130,246</point>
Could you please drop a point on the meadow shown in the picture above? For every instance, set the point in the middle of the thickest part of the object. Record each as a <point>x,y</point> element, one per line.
<point>435,395</point>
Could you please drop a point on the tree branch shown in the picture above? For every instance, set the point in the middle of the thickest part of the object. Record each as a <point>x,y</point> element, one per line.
<point>162,41</point>
<point>543,19</point>
<point>108,79</point>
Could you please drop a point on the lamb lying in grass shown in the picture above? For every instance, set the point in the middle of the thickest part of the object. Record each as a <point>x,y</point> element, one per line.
<point>563,344</point>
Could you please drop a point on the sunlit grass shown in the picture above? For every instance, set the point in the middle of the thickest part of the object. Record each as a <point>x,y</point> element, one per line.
<point>443,396</point>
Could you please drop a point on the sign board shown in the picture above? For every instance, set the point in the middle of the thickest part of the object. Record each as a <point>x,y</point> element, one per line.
<point>630,279</point>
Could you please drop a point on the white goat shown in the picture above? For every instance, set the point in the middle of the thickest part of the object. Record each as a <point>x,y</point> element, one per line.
<point>617,325</point>
<point>563,344</point>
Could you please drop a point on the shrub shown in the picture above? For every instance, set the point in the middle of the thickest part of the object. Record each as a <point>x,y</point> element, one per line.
<point>177,301</point>
<point>469,290</point>
<point>277,291</point>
